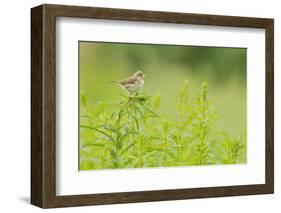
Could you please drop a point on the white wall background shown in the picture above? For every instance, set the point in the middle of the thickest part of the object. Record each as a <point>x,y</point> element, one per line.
<point>15,105</point>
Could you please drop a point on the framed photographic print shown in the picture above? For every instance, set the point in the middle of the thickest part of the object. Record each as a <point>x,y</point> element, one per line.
<point>135,106</point>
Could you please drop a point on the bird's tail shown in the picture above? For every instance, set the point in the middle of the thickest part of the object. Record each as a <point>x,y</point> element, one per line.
<point>112,82</point>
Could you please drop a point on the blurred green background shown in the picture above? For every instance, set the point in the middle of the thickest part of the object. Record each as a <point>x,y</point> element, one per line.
<point>166,67</point>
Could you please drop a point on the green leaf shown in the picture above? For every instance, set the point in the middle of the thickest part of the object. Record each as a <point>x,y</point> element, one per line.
<point>98,130</point>
<point>92,144</point>
<point>127,148</point>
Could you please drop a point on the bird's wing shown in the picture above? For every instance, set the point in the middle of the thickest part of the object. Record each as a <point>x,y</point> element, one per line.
<point>129,80</point>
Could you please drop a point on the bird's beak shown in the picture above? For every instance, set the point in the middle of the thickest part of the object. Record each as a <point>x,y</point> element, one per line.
<point>143,76</point>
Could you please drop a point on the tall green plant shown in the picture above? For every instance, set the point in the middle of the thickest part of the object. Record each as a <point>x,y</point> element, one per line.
<point>202,127</point>
<point>130,134</point>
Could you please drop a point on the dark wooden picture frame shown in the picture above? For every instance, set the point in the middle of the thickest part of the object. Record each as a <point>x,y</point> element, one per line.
<point>43,105</point>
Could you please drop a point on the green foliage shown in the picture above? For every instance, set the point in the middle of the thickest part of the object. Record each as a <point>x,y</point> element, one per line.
<point>131,133</point>
<point>234,147</point>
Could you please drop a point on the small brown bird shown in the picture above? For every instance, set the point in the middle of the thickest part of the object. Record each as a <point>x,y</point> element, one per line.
<point>133,83</point>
